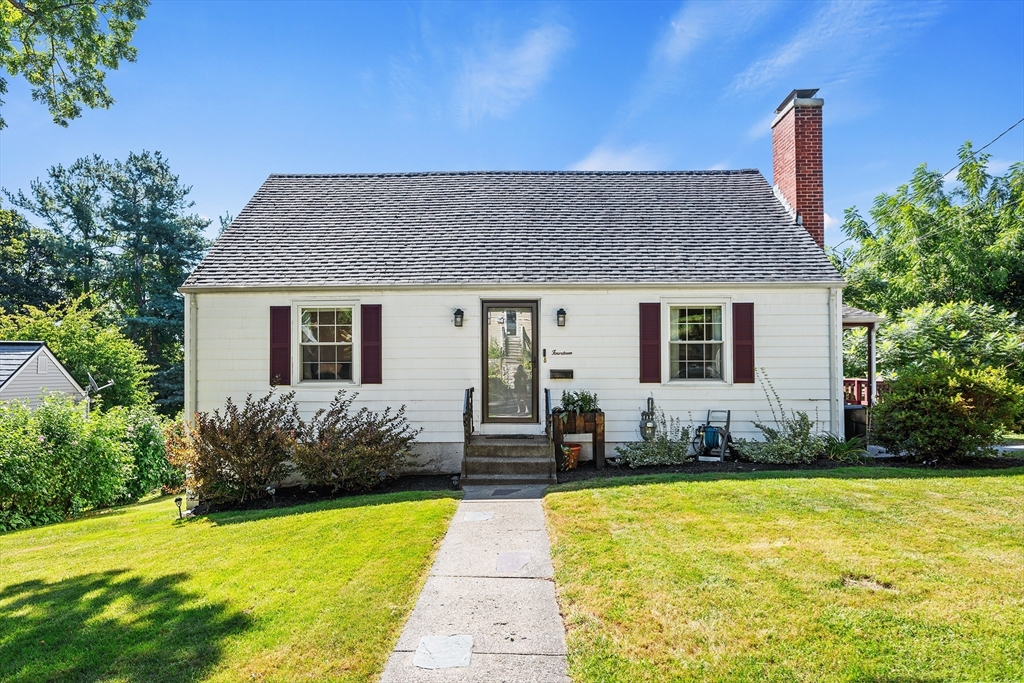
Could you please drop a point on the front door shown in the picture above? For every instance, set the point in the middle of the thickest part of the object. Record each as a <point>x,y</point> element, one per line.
<point>510,361</point>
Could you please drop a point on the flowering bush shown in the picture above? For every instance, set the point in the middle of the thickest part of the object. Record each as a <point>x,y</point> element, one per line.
<point>794,438</point>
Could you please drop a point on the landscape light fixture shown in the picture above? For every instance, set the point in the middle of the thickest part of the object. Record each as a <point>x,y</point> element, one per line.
<point>177,501</point>
<point>561,317</point>
<point>459,316</point>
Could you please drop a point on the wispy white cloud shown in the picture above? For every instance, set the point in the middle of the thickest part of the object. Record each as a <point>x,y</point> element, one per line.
<point>841,41</point>
<point>720,166</point>
<point>831,223</point>
<point>761,128</point>
<point>697,25</point>
<point>700,21</point>
<point>496,80</point>
<point>608,158</point>
<point>999,166</point>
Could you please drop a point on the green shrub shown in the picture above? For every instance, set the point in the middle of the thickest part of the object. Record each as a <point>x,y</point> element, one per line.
<point>841,450</point>
<point>26,475</point>
<point>88,456</point>
<point>55,461</point>
<point>141,431</point>
<point>234,456</point>
<point>350,451</point>
<point>670,445</point>
<point>945,413</point>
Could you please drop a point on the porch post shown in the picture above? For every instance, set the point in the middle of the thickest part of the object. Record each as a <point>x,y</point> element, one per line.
<point>872,383</point>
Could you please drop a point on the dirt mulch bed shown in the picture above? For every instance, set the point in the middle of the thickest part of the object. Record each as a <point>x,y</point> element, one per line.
<point>587,470</point>
<point>301,495</point>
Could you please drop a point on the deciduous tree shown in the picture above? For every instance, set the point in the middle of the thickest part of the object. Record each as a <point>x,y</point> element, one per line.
<point>64,49</point>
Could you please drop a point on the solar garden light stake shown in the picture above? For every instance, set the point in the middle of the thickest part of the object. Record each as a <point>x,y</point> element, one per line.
<point>177,501</point>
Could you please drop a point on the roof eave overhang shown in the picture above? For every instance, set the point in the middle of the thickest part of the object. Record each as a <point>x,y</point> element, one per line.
<point>775,284</point>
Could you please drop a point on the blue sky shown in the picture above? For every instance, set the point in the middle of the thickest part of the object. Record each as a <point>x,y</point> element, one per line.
<point>234,91</point>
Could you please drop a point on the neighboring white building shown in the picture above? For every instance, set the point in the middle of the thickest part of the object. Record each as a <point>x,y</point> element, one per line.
<point>29,371</point>
<point>411,288</point>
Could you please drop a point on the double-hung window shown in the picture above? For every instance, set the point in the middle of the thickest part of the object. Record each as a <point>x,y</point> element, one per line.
<point>695,342</point>
<point>325,340</point>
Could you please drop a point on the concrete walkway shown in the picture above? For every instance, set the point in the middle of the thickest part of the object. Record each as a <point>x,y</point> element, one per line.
<point>488,610</point>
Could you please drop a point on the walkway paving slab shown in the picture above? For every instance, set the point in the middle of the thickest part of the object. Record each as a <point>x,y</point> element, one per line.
<point>504,616</point>
<point>490,586</point>
<point>484,668</point>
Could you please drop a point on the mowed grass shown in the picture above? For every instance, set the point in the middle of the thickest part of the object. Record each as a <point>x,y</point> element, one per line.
<point>318,592</point>
<point>860,574</point>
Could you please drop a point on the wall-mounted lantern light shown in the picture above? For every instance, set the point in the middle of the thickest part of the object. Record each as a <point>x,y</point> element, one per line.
<point>561,317</point>
<point>458,317</point>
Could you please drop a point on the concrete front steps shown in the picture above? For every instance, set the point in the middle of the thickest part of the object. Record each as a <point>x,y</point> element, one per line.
<point>514,460</point>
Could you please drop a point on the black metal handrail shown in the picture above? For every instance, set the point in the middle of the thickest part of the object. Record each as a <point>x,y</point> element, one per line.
<point>467,415</point>
<point>547,413</point>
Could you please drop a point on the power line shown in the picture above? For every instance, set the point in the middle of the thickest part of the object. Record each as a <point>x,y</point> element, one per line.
<point>872,224</point>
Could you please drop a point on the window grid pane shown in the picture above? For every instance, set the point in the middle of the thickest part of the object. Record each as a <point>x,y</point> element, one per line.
<point>326,343</point>
<point>695,342</point>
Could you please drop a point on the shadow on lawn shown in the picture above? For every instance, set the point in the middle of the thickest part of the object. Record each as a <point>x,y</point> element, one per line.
<point>156,632</point>
<point>349,501</point>
<point>852,472</point>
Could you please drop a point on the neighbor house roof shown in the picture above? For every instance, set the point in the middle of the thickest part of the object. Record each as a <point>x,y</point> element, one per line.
<point>513,228</point>
<point>13,355</point>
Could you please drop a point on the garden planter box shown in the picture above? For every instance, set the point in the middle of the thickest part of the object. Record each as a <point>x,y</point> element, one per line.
<point>578,423</point>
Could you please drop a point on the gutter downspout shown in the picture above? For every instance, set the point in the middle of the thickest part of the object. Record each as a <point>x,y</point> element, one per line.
<point>190,357</point>
<point>835,360</point>
<point>191,380</point>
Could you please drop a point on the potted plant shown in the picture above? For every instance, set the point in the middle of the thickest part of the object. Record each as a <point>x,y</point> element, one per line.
<point>578,414</point>
<point>571,455</point>
<point>576,404</point>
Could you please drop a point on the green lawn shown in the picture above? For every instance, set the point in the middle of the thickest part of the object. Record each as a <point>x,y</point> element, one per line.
<point>317,592</point>
<point>859,574</point>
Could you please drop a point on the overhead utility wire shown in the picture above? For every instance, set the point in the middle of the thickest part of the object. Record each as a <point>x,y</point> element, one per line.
<point>872,224</point>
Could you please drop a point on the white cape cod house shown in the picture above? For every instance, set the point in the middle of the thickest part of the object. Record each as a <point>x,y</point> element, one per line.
<point>410,288</point>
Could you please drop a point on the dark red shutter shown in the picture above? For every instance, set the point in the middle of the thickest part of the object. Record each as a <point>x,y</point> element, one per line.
<point>650,343</point>
<point>371,339</point>
<point>280,345</point>
<point>743,343</point>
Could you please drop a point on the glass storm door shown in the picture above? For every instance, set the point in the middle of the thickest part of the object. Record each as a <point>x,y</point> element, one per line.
<point>510,361</point>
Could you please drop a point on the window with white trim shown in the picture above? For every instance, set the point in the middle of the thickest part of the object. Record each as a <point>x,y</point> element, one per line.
<point>695,342</point>
<point>325,342</point>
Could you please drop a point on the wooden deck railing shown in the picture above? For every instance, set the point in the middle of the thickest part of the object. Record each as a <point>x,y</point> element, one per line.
<point>856,391</point>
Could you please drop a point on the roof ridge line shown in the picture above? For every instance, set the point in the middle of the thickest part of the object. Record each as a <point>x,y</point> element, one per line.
<point>411,174</point>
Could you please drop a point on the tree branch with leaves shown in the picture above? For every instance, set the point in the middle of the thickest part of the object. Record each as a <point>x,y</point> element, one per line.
<point>64,49</point>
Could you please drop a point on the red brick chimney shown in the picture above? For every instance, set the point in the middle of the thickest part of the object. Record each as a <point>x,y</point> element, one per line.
<point>796,159</point>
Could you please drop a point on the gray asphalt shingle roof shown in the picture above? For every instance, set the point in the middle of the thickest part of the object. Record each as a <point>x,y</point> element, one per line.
<point>13,355</point>
<point>513,228</point>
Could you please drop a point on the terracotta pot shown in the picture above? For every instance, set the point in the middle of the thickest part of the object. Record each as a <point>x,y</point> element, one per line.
<point>571,458</point>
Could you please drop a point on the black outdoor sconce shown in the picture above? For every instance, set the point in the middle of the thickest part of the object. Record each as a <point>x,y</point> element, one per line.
<point>177,501</point>
<point>647,426</point>
<point>561,317</point>
<point>459,315</point>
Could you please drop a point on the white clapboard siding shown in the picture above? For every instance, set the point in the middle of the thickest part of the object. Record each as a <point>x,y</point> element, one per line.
<point>428,362</point>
